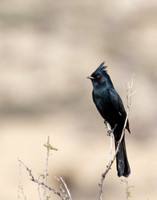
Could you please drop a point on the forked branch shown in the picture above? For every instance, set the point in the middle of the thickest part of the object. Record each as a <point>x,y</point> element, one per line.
<point>64,192</point>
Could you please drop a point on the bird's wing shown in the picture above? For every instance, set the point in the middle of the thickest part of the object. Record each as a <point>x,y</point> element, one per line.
<point>118,105</point>
<point>117,102</point>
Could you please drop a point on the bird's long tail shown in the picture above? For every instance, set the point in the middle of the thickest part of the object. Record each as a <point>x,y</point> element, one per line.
<point>123,168</point>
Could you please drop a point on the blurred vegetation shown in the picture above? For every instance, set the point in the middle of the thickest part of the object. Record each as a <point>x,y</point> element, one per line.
<point>48,48</point>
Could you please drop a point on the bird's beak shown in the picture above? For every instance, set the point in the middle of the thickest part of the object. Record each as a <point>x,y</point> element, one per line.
<point>90,77</point>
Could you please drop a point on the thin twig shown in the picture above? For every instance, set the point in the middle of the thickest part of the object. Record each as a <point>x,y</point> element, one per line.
<point>41,183</point>
<point>46,168</point>
<point>20,186</point>
<point>39,188</point>
<point>66,188</point>
<point>22,191</point>
<point>111,147</point>
<point>108,167</point>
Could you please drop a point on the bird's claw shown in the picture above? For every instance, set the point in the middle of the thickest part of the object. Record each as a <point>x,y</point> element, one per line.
<point>109,132</point>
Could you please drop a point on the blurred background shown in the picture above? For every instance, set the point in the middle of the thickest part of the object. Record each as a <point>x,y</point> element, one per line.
<point>47,48</point>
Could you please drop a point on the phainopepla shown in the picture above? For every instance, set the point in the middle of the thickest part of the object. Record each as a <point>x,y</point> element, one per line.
<point>110,107</point>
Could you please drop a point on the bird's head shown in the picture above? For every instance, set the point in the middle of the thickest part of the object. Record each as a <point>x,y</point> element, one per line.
<point>99,76</point>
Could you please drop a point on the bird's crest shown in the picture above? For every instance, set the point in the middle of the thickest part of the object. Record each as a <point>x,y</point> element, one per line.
<point>101,67</point>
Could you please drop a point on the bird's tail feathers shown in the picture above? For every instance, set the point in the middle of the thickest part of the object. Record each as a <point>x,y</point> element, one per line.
<point>123,168</point>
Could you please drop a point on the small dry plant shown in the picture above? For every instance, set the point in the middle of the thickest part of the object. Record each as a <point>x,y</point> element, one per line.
<point>63,193</point>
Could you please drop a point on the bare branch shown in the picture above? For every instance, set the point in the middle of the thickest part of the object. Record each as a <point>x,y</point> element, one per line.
<point>20,186</point>
<point>65,192</point>
<point>46,168</point>
<point>66,188</point>
<point>111,147</point>
<point>41,183</point>
<point>39,188</point>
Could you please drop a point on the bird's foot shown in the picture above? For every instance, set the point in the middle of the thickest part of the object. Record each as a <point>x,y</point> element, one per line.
<point>110,131</point>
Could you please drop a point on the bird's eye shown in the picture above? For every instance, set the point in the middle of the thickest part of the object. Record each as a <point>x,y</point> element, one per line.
<point>98,76</point>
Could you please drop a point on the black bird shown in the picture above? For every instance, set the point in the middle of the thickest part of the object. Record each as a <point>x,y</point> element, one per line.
<point>110,107</point>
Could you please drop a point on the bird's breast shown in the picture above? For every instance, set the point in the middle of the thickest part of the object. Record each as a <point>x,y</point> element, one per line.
<point>102,101</point>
